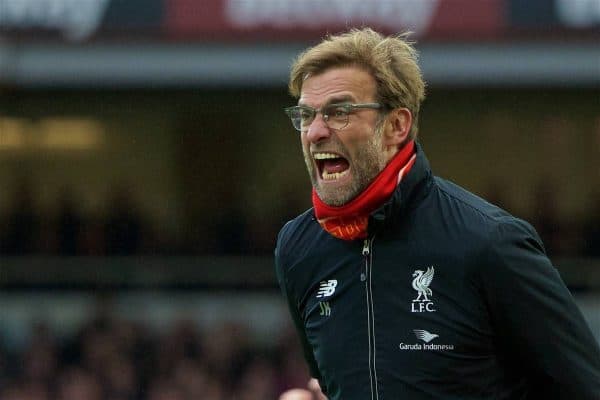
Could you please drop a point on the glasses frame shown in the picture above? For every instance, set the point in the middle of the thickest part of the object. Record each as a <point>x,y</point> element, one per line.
<point>349,107</point>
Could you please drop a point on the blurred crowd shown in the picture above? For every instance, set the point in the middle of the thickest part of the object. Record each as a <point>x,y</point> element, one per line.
<point>561,236</point>
<point>115,359</point>
<point>67,232</point>
<point>121,229</point>
<point>124,230</point>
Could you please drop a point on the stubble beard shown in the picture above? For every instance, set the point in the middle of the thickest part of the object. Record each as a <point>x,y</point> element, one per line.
<point>365,165</point>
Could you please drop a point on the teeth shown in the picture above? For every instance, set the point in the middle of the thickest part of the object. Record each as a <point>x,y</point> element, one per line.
<point>333,176</point>
<point>325,156</point>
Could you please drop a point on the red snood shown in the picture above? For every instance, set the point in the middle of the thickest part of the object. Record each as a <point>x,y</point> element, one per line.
<point>350,221</point>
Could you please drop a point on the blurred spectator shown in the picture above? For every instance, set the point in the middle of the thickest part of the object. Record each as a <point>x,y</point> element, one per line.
<point>165,390</point>
<point>232,233</point>
<point>69,225</point>
<point>497,194</point>
<point>293,371</point>
<point>24,391</point>
<point>181,342</point>
<point>40,360</point>
<point>93,237</point>
<point>225,347</point>
<point>196,381</point>
<point>120,378</point>
<point>545,218</point>
<point>123,230</point>
<point>257,381</point>
<point>21,232</point>
<point>77,384</point>
<point>591,230</point>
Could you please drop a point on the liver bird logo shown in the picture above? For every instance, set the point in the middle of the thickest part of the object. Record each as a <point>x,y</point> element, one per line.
<point>424,335</point>
<point>421,283</point>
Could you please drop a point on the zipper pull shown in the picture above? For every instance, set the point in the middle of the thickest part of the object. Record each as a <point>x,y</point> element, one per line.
<point>365,250</point>
<point>365,253</point>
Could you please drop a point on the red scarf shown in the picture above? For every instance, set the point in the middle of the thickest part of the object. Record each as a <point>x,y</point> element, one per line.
<point>349,222</point>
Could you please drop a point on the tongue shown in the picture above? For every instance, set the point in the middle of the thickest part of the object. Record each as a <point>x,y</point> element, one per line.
<point>335,165</point>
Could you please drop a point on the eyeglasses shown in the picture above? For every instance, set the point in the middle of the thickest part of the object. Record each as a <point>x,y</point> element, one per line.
<point>336,116</point>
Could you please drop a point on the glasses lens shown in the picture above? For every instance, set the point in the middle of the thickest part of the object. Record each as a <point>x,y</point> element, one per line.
<point>337,116</point>
<point>305,117</point>
<point>292,112</point>
<point>301,117</point>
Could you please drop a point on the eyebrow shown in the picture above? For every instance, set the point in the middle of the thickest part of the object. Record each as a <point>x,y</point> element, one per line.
<point>334,100</point>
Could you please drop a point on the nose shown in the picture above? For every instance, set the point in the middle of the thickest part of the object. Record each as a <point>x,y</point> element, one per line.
<point>318,130</point>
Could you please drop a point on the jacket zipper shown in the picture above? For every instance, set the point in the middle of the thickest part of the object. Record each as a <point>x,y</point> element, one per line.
<point>366,277</point>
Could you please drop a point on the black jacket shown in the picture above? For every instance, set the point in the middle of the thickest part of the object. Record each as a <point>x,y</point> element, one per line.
<point>449,298</point>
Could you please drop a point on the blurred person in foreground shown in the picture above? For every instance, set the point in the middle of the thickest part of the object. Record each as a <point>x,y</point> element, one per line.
<point>313,393</point>
<point>403,285</point>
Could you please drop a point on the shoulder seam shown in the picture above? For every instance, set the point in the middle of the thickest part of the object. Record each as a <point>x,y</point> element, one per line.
<point>474,208</point>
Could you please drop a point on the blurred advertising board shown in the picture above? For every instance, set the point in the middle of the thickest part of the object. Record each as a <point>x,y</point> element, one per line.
<point>293,20</point>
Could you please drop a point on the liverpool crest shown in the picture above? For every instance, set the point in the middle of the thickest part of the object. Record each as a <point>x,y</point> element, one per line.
<point>421,282</point>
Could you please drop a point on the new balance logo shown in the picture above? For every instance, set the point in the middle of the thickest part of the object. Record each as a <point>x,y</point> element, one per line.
<point>327,288</point>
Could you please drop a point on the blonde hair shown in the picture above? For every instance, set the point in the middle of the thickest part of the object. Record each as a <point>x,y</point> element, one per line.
<point>392,61</point>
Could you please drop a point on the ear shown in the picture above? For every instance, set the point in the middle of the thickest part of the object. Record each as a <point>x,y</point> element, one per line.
<point>397,128</point>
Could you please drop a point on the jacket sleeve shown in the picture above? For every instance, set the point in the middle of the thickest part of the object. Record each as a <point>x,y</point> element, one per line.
<point>535,318</point>
<point>296,317</point>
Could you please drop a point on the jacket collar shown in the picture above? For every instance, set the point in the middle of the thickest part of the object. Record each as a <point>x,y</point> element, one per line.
<point>413,187</point>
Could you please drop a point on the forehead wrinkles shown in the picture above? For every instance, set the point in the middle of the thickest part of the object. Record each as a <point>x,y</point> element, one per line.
<point>355,84</point>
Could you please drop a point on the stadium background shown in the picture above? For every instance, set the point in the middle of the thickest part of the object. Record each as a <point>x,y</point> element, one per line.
<point>146,167</point>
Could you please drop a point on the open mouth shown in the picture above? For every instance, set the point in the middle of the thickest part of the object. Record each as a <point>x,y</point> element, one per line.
<point>331,166</point>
